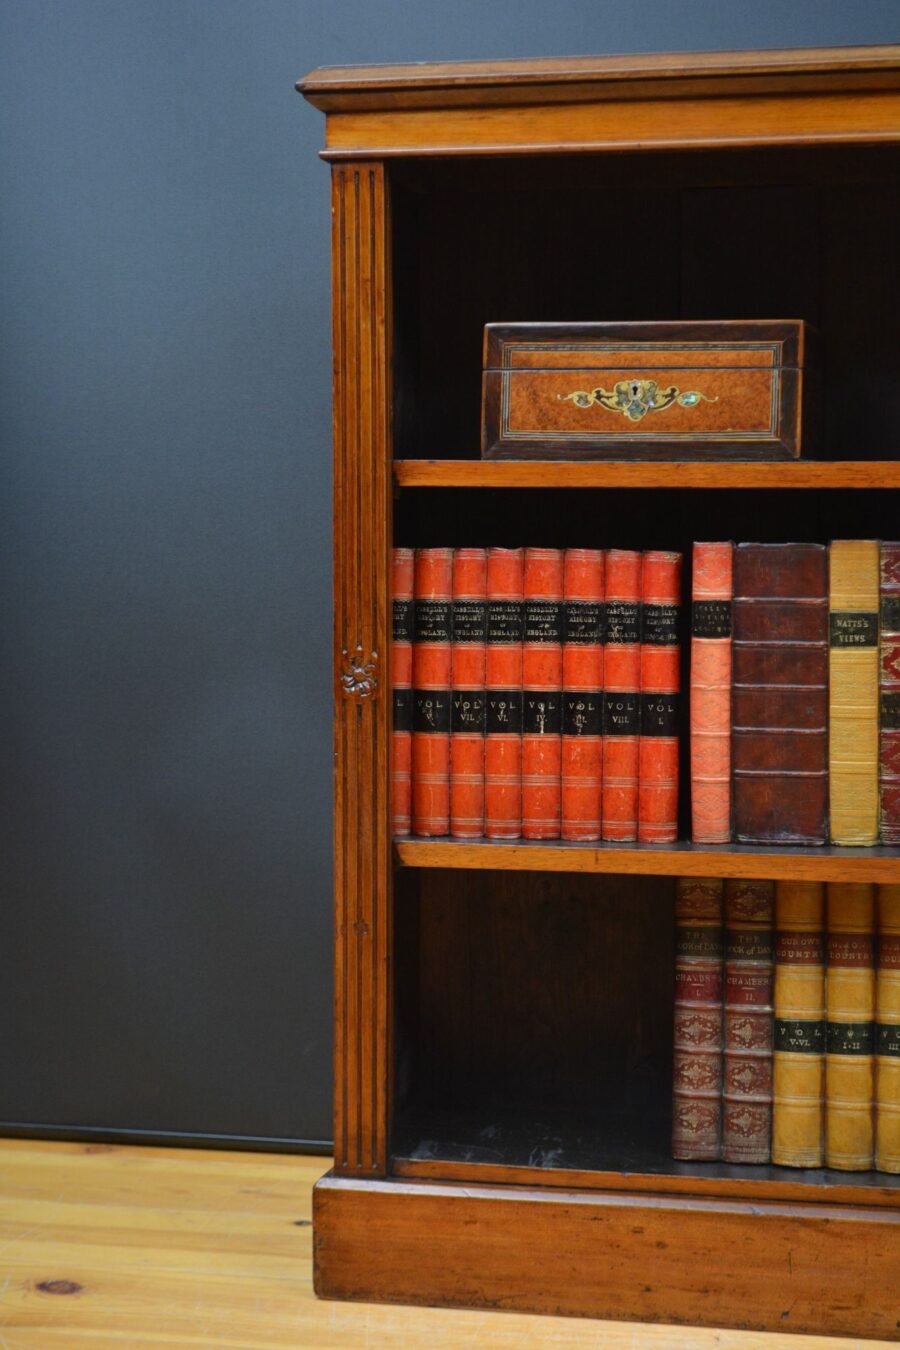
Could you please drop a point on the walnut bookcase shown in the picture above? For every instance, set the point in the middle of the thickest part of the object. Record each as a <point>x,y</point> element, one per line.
<point>503,1011</point>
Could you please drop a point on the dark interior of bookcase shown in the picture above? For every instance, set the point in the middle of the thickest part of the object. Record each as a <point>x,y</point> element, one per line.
<point>761,233</point>
<point>533,1025</point>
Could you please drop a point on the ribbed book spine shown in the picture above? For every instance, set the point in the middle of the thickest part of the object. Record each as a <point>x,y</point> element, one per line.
<point>889,675</point>
<point>798,1061</point>
<point>503,695</point>
<point>401,686</point>
<point>660,686</point>
<point>712,590</point>
<point>621,696</point>
<point>853,691</point>
<point>697,1062</point>
<point>542,693</point>
<point>582,743</point>
<point>780,693</point>
<point>747,1076</point>
<point>431,692</point>
<point>467,705</point>
<point>887,1031</point>
<point>850,1001</point>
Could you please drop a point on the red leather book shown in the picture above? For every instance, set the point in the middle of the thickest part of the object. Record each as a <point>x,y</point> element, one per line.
<point>469,629</point>
<point>431,692</point>
<point>697,1063</point>
<point>749,974</point>
<point>542,693</point>
<point>401,686</point>
<point>582,744</point>
<point>779,742</point>
<point>503,695</point>
<point>889,671</point>
<point>660,685</point>
<point>711,593</point>
<point>621,696</point>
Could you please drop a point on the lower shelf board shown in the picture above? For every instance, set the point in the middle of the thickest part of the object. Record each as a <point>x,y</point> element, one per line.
<point>826,1269</point>
<point>604,1150</point>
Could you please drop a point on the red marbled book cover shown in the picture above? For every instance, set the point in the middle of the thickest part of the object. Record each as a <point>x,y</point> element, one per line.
<point>503,695</point>
<point>467,705</point>
<point>582,743</point>
<point>401,686</point>
<point>542,693</point>
<point>889,669</point>
<point>431,692</point>
<point>621,696</point>
<point>660,686</point>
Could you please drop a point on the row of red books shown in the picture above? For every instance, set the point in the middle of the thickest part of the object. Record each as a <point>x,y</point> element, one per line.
<point>536,693</point>
<point>795,693</point>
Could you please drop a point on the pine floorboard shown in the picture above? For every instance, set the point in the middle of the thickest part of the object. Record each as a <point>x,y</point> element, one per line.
<point>181,1249</point>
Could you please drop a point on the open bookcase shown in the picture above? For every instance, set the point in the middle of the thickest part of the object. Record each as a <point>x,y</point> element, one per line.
<point>504,1010</point>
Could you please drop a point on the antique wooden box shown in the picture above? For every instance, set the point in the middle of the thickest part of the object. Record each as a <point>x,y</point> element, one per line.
<point>685,390</point>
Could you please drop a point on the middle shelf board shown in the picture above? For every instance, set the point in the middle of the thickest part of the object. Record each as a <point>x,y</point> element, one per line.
<point>838,475</point>
<point>828,863</point>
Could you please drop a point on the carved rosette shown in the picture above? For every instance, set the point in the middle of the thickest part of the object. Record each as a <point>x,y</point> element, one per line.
<point>359,677</point>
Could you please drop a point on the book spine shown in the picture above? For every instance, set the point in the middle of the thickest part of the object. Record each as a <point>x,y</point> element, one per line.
<point>747,1073</point>
<point>887,1031</point>
<point>542,693</point>
<point>853,691</point>
<point>431,692</point>
<point>850,1003</point>
<point>798,1060</point>
<point>503,695</point>
<point>401,688</point>
<point>779,746</point>
<point>467,703</point>
<point>889,675</point>
<point>712,590</point>
<point>582,743</point>
<point>697,1060</point>
<point>659,707</point>
<point>621,696</point>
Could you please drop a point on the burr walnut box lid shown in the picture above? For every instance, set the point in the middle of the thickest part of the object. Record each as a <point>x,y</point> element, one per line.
<point>680,390</point>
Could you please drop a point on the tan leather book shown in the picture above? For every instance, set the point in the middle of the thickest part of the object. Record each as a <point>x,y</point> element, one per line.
<point>887,1032</point>
<point>853,691</point>
<point>798,1061</point>
<point>850,1040</point>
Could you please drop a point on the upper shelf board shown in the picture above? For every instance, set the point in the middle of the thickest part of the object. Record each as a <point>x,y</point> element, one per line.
<point>792,96</point>
<point>474,473</point>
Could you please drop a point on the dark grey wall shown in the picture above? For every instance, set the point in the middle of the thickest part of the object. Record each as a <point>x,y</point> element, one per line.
<point>164,896</point>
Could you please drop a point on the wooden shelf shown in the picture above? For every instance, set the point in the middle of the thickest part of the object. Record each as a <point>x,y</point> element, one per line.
<point>828,863</point>
<point>838,475</point>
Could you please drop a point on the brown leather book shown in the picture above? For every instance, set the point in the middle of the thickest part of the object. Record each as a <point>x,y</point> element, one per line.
<point>747,1078</point>
<point>697,1064</point>
<point>780,693</point>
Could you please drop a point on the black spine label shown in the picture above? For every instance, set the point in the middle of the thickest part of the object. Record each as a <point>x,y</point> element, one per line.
<point>749,944</point>
<point>890,711</point>
<point>470,621</point>
<point>583,714</point>
<point>623,622</point>
<point>659,715</point>
<point>403,710</point>
<point>711,619</point>
<point>432,620</point>
<point>621,714</point>
<point>468,711</point>
<point>799,1038</point>
<point>701,943</point>
<point>503,712</point>
<point>853,628</point>
<point>585,623</point>
<point>659,625</point>
<point>888,1042</point>
<point>431,710</point>
<point>851,1038</point>
<point>504,621</point>
<point>890,613</point>
<point>543,621</point>
<point>541,712</point>
<point>403,620</point>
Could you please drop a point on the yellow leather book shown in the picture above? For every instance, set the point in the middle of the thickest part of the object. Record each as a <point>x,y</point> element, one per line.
<point>798,1061</point>
<point>887,1039</point>
<point>853,691</point>
<point>850,1005</point>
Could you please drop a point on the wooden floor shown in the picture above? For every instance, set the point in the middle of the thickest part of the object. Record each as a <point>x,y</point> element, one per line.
<point>107,1247</point>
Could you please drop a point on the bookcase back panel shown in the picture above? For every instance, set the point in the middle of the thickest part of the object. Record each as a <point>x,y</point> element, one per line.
<point>747,234</point>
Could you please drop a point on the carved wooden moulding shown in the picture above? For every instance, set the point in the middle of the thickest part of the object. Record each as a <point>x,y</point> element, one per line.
<point>699,390</point>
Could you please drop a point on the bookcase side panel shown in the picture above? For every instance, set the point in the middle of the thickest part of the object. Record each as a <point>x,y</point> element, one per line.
<point>362,532</point>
